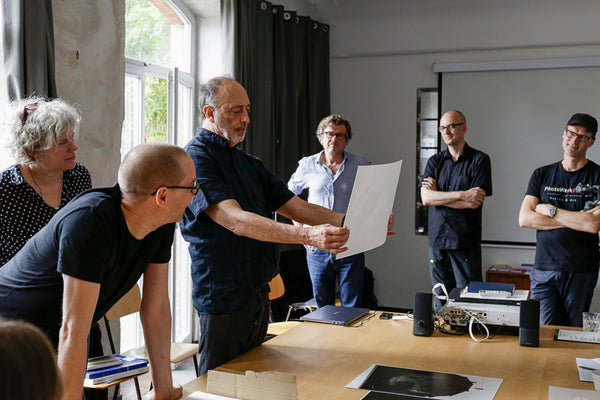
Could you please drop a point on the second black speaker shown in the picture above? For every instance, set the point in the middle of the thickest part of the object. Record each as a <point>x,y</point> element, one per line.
<point>422,314</point>
<point>529,323</point>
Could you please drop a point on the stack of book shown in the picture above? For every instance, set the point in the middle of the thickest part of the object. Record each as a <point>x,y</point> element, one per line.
<point>110,368</point>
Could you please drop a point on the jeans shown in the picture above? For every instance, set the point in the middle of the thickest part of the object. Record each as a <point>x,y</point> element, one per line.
<point>563,296</point>
<point>324,269</point>
<point>225,336</point>
<point>454,268</point>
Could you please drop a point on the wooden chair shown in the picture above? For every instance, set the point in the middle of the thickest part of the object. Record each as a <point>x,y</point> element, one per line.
<point>128,304</point>
<point>277,290</point>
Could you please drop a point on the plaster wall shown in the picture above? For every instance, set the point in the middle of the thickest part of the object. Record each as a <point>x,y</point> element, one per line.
<point>90,71</point>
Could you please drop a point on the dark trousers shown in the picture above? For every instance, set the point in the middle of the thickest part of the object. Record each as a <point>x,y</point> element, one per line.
<point>563,296</point>
<point>225,336</point>
<point>454,268</point>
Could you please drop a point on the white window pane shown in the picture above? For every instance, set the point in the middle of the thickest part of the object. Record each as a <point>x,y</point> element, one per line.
<point>424,157</point>
<point>429,133</point>
<point>429,104</point>
<point>130,133</point>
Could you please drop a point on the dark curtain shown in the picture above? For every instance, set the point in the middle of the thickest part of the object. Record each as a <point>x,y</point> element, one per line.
<point>28,48</point>
<point>282,59</point>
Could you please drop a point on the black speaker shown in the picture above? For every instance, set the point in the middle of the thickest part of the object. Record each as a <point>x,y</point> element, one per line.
<point>529,323</point>
<point>422,315</point>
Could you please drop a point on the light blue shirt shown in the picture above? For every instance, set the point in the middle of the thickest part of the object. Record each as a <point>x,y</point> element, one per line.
<point>324,188</point>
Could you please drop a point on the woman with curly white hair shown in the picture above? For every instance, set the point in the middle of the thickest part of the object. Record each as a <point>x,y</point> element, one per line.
<point>41,137</point>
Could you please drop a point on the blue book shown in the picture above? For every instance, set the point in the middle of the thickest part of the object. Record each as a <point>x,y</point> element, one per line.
<point>128,364</point>
<point>477,287</point>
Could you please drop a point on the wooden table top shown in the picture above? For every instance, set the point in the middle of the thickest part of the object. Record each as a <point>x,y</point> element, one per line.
<point>327,357</point>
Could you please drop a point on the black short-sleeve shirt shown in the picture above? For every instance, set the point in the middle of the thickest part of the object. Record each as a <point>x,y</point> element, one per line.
<point>88,239</point>
<point>451,228</point>
<point>226,268</point>
<point>565,249</point>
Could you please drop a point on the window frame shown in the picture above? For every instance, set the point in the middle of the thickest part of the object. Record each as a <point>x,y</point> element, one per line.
<point>140,69</point>
<point>421,211</point>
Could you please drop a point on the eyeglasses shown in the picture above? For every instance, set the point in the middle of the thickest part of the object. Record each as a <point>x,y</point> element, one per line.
<point>450,127</point>
<point>193,189</point>
<point>573,135</point>
<point>28,109</point>
<point>330,135</point>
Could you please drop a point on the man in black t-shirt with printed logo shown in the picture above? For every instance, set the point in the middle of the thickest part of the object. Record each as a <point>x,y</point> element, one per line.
<point>567,256</point>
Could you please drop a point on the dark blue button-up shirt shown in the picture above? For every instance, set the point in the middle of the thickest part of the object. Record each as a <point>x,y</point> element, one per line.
<point>451,228</point>
<point>226,268</point>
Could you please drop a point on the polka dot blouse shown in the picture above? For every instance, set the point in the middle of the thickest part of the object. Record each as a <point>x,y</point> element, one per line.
<point>23,212</point>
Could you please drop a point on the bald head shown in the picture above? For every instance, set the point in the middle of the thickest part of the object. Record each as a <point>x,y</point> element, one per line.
<point>149,166</point>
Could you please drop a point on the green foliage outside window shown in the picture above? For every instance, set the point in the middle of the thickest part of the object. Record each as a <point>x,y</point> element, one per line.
<point>147,38</point>
<point>155,109</point>
<point>147,33</point>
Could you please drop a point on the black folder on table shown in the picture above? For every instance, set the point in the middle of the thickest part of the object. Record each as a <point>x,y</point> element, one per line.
<point>336,315</point>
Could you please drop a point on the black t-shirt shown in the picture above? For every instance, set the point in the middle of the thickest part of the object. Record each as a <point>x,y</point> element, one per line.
<point>565,249</point>
<point>88,239</point>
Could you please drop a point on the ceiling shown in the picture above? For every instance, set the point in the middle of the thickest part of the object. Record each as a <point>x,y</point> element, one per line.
<point>318,9</point>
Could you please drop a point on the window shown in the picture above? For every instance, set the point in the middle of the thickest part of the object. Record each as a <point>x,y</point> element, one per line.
<point>159,108</point>
<point>427,145</point>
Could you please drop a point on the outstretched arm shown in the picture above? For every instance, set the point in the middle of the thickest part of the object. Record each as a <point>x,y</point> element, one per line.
<point>155,313</point>
<point>328,236</point>
<point>79,303</point>
<point>431,196</point>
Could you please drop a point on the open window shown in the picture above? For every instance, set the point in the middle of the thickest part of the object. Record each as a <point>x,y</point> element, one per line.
<point>159,107</point>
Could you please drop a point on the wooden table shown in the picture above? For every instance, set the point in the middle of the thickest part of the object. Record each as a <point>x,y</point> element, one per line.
<point>326,357</point>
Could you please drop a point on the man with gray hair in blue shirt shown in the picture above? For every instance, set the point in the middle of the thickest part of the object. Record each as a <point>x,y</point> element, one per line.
<point>329,177</point>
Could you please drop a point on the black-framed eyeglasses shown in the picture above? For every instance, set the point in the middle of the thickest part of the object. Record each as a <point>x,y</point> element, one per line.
<point>450,127</point>
<point>330,135</point>
<point>193,189</point>
<point>573,135</point>
<point>28,109</point>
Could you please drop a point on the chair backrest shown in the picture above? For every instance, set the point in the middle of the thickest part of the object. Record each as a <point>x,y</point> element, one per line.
<point>277,287</point>
<point>128,304</point>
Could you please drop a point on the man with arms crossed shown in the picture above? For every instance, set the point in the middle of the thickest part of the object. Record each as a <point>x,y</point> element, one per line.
<point>94,250</point>
<point>567,257</point>
<point>329,177</point>
<point>232,236</point>
<point>455,183</point>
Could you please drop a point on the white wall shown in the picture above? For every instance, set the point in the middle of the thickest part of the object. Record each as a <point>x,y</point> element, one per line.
<point>381,52</point>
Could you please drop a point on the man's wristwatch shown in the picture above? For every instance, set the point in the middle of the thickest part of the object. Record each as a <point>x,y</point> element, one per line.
<point>552,212</point>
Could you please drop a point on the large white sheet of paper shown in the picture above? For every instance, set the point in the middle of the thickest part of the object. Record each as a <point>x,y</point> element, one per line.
<point>370,207</point>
